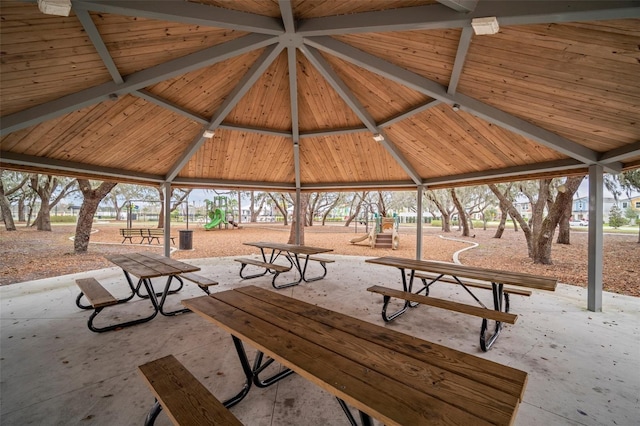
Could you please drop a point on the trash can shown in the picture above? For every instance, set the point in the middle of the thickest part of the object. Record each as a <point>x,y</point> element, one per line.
<point>186,239</point>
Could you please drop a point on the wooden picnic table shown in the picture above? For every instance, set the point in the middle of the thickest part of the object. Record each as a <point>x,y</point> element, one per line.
<point>393,377</point>
<point>438,270</point>
<point>292,254</point>
<point>145,266</point>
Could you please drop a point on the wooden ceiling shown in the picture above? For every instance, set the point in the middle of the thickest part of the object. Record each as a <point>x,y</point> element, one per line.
<point>295,91</point>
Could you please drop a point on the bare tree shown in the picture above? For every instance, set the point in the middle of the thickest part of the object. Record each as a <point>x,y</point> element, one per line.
<point>47,189</point>
<point>8,186</point>
<point>462,214</point>
<point>441,199</point>
<point>355,207</point>
<point>281,202</point>
<point>91,200</point>
<point>504,208</point>
<point>178,196</point>
<point>539,232</point>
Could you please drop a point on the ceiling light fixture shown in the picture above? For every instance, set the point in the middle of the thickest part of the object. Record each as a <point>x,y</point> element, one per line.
<point>483,26</point>
<point>208,134</point>
<point>378,137</point>
<point>55,7</point>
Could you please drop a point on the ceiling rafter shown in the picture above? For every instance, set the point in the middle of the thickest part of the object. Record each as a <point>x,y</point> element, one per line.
<point>108,173</point>
<point>508,172</point>
<point>187,13</point>
<point>494,115</point>
<point>347,95</point>
<point>461,57</point>
<point>460,5</point>
<point>138,80</point>
<point>620,154</point>
<point>438,16</point>
<point>151,97</point>
<point>250,77</point>
<point>286,12</point>
<point>98,43</point>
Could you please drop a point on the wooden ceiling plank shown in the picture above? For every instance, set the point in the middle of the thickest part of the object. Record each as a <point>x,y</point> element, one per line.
<point>93,95</point>
<point>252,75</point>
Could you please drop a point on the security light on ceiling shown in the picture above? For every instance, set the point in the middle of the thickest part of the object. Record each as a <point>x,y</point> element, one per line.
<point>483,26</point>
<point>378,137</point>
<point>208,134</point>
<point>55,7</point>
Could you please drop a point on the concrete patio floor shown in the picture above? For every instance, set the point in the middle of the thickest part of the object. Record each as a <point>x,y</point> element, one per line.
<point>584,367</point>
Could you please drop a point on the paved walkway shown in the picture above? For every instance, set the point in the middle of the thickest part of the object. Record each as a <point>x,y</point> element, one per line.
<point>583,366</point>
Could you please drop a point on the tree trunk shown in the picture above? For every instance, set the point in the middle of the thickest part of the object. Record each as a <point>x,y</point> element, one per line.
<point>502,224</point>
<point>6,210</point>
<point>564,231</point>
<point>462,216</point>
<point>506,204</point>
<point>544,240</point>
<point>92,198</point>
<point>304,201</point>
<point>21,216</point>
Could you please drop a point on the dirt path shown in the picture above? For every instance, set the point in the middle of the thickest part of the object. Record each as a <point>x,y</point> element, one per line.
<point>29,255</point>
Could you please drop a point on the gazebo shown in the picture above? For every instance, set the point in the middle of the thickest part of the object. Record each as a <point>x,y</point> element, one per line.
<point>323,95</point>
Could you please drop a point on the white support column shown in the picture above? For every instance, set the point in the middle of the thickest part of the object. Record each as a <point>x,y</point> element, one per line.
<point>419,224</point>
<point>298,215</point>
<point>166,191</point>
<point>596,239</point>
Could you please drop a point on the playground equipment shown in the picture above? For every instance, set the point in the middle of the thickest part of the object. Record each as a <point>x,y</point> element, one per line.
<point>217,212</point>
<point>378,238</point>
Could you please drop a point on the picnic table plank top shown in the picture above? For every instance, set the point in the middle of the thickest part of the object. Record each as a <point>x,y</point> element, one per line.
<point>396,378</point>
<point>150,265</point>
<point>454,269</point>
<point>292,248</point>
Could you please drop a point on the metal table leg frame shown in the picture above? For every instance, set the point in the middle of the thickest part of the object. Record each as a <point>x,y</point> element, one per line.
<point>387,299</point>
<point>164,297</point>
<point>365,420</point>
<point>155,410</point>
<point>498,295</point>
<point>425,286</point>
<point>146,296</point>
<point>251,373</point>
<point>316,278</point>
<point>154,302</point>
<point>294,263</point>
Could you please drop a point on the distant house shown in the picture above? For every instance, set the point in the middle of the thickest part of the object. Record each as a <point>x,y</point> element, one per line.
<point>632,203</point>
<point>580,209</point>
<point>524,208</point>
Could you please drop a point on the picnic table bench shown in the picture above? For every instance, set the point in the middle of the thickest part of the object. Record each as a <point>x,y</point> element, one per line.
<point>185,400</point>
<point>465,276</point>
<point>392,377</point>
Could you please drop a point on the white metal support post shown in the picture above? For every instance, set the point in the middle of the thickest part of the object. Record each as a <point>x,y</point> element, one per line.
<point>166,191</point>
<point>419,224</point>
<point>596,239</point>
<point>298,215</point>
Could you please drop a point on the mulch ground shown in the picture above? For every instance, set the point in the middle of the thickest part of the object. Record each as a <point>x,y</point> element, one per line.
<point>28,254</point>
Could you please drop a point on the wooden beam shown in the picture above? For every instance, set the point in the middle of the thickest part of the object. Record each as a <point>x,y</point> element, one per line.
<point>187,13</point>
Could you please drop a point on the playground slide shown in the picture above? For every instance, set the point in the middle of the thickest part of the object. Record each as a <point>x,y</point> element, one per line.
<point>358,239</point>
<point>370,236</point>
<point>216,219</point>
